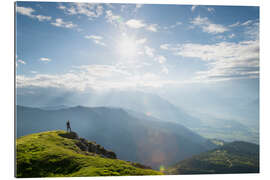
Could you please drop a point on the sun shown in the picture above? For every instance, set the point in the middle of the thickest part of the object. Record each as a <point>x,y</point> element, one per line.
<point>127,47</point>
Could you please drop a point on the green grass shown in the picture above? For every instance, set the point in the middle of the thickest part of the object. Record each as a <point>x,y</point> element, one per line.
<point>236,157</point>
<point>47,154</point>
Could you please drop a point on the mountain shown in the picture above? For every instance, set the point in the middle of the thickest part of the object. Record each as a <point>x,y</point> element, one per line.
<point>147,103</point>
<point>235,157</point>
<point>150,142</point>
<point>57,153</point>
<point>194,113</point>
<point>138,101</point>
<point>57,107</point>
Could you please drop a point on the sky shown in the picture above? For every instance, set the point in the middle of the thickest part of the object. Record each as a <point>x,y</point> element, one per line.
<point>164,49</point>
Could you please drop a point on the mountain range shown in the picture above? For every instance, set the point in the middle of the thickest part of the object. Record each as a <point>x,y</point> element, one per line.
<point>152,105</point>
<point>135,138</point>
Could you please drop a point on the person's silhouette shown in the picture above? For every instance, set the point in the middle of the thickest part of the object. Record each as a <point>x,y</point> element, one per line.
<point>68,126</point>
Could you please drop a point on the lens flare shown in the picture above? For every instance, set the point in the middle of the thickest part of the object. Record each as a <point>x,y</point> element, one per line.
<point>161,168</point>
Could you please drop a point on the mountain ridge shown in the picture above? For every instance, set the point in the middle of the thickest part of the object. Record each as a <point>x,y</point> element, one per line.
<point>234,157</point>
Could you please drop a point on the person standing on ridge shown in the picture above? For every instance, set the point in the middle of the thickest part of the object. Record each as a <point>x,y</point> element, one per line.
<point>68,126</point>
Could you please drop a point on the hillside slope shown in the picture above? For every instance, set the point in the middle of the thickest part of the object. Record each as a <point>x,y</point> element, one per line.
<point>142,140</point>
<point>235,157</point>
<point>54,153</point>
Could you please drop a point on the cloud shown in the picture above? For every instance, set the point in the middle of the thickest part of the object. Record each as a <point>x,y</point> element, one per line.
<point>100,77</point>
<point>252,31</point>
<point>164,46</point>
<point>61,23</point>
<point>225,60</point>
<point>173,26</point>
<point>141,41</point>
<point>45,59</point>
<point>42,18</point>
<point>91,10</point>
<point>96,39</point>
<point>138,6</point>
<point>27,11</point>
<point>211,10</point>
<point>165,70</point>
<point>136,24</point>
<point>207,26</point>
<point>246,23</point>
<point>235,24</point>
<point>21,61</point>
<point>193,8</point>
<point>152,27</point>
<point>149,51</point>
<point>232,36</point>
<point>112,18</point>
<point>160,59</point>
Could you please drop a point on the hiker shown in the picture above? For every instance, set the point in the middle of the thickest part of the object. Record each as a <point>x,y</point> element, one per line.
<point>68,126</point>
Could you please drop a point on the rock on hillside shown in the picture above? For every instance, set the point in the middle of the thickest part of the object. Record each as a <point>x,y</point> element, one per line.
<point>87,146</point>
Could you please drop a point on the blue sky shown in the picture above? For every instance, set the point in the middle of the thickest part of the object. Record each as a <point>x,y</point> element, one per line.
<point>158,48</point>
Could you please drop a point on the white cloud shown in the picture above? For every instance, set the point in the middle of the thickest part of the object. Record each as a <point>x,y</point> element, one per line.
<point>211,10</point>
<point>27,11</point>
<point>62,7</point>
<point>164,46</point>
<point>160,59</point>
<point>139,6</point>
<point>193,8</point>
<point>173,26</point>
<point>61,23</point>
<point>235,24</point>
<point>152,27</point>
<point>149,51</point>
<point>207,26</point>
<point>112,18</point>
<point>252,31</point>
<point>96,39</point>
<point>91,10</point>
<point>225,60</point>
<point>141,41</point>
<point>135,23</point>
<point>232,35</point>
<point>21,61</point>
<point>45,59</point>
<point>165,70</point>
<point>246,23</point>
<point>42,18</point>
<point>99,77</point>
<point>138,24</point>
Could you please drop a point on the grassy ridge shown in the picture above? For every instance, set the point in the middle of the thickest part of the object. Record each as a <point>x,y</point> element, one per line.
<point>47,154</point>
<point>235,157</point>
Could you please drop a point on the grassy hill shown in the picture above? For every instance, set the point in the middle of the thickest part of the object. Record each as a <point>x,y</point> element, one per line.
<point>50,154</point>
<point>235,157</point>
